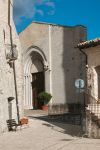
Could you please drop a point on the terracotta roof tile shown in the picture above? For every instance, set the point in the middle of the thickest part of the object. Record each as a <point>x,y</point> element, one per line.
<point>90,43</point>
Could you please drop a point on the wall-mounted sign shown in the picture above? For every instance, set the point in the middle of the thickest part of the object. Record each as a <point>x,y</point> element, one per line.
<point>79,83</point>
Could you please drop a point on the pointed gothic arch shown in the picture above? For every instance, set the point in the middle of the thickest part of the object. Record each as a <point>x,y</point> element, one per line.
<point>34,61</point>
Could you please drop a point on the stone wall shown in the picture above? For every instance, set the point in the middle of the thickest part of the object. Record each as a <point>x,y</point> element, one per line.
<point>93,90</point>
<point>92,125</point>
<point>7,84</point>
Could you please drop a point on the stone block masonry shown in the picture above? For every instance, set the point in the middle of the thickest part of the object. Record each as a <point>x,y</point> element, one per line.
<point>7,83</point>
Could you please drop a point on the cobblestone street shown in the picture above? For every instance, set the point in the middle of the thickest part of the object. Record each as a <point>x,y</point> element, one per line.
<point>44,135</point>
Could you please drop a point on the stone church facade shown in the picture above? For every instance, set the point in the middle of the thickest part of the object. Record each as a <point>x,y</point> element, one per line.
<point>47,60</point>
<point>52,63</point>
<point>11,69</point>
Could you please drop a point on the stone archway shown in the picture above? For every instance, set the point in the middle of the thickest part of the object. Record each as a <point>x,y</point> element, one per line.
<point>35,65</point>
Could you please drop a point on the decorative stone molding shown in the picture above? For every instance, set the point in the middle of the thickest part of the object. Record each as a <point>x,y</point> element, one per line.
<point>46,66</point>
<point>11,52</point>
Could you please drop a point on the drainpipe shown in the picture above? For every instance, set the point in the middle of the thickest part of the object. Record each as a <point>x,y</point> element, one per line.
<point>86,60</point>
<point>83,54</point>
<point>14,70</point>
<point>83,124</point>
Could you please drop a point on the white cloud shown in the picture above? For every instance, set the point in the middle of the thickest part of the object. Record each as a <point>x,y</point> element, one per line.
<point>28,8</point>
<point>23,8</point>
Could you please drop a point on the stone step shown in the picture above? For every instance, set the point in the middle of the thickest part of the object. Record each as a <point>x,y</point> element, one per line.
<point>94,108</point>
<point>67,118</point>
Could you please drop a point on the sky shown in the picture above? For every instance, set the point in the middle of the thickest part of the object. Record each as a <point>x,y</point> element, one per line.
<point>62,12</point>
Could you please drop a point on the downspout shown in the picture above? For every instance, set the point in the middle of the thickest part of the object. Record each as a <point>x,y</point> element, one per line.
<point>85,61</point>
<point>14,71</point>
<point>83,123</point>
<point>84,54</point>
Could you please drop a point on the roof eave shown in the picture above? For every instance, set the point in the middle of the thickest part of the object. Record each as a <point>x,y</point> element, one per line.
<point>88,44</point>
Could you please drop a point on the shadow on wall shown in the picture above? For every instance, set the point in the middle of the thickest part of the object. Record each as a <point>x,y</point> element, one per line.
<point>73,66</point>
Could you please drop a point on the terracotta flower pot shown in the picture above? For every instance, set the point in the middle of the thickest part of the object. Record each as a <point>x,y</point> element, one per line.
<point>24,121</point>
<point>45,107</point>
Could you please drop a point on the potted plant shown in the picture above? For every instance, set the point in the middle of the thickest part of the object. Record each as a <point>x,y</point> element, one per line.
<point>44,98</point>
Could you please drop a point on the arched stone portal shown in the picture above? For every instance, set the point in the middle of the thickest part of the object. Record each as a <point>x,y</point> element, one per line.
<point>35,65</point>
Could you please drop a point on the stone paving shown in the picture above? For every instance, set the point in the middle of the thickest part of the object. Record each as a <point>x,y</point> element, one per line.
<point>44,135</point>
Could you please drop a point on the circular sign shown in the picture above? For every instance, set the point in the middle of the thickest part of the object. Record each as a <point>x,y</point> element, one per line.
<point>79,83</point>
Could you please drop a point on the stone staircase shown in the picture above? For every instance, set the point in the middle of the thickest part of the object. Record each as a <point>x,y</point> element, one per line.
<point>68,113</point>
<point>94,109</point>
<point>93,106</point>
<point>93,120</point>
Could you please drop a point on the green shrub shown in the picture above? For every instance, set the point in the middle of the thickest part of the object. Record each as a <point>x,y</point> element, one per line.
<point>44,97</point>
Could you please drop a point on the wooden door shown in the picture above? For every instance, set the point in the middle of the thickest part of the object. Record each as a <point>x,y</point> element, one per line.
<point>37,87</point>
